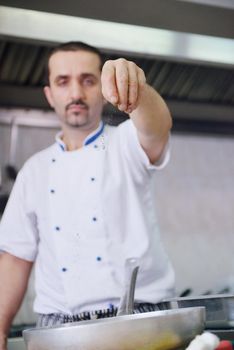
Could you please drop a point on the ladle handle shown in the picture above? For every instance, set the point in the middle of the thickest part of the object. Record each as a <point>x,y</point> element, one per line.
<point>126,305</point>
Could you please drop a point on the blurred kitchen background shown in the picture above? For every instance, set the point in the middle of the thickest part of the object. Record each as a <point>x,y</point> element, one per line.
<point>186,49</point>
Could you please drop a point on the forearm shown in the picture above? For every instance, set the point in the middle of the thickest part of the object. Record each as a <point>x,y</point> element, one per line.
<point>14,274</point>
<point>153,122</point>
<point>151,117</point>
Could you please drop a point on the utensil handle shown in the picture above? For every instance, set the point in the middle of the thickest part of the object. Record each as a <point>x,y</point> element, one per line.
<point>126,305</point>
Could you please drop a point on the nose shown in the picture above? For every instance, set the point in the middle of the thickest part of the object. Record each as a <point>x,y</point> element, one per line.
<point>77,91</point>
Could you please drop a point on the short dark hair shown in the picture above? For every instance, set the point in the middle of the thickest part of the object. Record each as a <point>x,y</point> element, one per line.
<point>71,46</point>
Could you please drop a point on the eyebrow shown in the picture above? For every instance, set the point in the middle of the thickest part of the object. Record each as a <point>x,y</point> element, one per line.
<point>60,77</point>
<point>87,75</point>
<point>82,76</point>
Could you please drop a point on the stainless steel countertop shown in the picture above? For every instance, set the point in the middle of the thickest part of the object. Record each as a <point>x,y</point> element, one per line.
<point>16,344</point>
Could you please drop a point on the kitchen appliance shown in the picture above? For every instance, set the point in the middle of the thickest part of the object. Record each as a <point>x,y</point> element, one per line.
<point>219,308</point>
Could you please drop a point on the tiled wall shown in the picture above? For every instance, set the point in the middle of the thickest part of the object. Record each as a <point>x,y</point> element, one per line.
<point>195,204</point>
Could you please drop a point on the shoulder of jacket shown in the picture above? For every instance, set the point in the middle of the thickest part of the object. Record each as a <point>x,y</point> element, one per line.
<point>38,159</point>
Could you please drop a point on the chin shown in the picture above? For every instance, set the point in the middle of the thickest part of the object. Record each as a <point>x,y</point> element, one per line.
<point>76,121</point>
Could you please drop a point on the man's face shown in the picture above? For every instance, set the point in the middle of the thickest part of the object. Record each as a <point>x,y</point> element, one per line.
<point>75,88</point>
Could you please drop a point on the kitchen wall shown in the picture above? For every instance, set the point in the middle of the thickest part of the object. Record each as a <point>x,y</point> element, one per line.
<point>195,203</point>
<point>196,211</point>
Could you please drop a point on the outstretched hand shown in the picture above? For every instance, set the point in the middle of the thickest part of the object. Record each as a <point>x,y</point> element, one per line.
<point>122,82</point>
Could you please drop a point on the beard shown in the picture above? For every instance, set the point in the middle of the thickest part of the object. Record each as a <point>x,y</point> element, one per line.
<point>76,119</point>
<point>77,114</point>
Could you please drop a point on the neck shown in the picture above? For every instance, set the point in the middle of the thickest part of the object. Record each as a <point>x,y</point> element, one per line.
<point>74,137</point>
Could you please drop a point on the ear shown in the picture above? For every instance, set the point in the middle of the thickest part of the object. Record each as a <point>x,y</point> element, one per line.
<point>48,95</point>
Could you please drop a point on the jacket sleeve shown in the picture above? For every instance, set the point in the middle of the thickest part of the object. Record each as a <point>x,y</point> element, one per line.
<point>134,151</point>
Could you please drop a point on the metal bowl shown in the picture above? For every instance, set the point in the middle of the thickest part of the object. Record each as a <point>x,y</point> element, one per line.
<point>158,330</point>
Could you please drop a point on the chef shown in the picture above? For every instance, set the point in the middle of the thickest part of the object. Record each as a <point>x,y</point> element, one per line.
<point>84,205</point>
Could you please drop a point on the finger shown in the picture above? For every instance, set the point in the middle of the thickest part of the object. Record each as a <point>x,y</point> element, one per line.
<point>122,83</point>
<point>141,83</point>
<point>141,77</point>
<point>132,86</point>
<point>109,88</point>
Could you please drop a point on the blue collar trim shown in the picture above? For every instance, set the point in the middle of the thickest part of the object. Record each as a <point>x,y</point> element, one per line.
<point>89,139</point>
<point>92,138</point>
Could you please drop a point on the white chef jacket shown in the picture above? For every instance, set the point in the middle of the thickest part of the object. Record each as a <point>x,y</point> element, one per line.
<point>80,214</point>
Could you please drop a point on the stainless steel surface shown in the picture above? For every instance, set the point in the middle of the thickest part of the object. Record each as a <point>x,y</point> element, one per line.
<point>200,96</point>
<point>219,308</point>
<point>126,305</point>
<point>33,25</point>
<point>13,144</point>
<point>16,344</point>
<point>224,3</point>
<point>181,16</point>
<point>159,330</point>
<point>223,334</point>
<point>36,119</point>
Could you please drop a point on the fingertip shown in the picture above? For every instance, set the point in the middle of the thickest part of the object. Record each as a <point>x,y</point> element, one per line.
<point>129,109</point>
<point>113,99</point>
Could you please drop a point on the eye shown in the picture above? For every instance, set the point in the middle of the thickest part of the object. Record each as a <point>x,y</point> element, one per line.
<point>89,81</point>
<point>62,82</point>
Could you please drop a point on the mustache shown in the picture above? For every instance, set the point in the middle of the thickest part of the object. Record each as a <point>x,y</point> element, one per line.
<point>77,102</point>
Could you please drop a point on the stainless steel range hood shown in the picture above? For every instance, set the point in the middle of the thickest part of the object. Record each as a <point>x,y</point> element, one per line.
<point>193,72</point>
<point>47,27</point>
